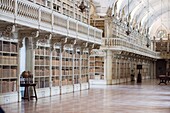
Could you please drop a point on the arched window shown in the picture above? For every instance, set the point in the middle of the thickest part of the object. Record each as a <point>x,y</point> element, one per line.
<point>162,34</point>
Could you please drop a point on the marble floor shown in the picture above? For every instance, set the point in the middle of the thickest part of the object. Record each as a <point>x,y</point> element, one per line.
<point>148,97</point>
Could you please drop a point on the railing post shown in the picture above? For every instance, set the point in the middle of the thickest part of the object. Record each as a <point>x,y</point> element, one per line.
<point>15,9</point>
<point>68,23</point>
<point>39,16</point>
<point>76,28</point>
<point>52,21</point>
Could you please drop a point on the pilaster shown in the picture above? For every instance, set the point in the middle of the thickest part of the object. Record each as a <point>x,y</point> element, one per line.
<point>108,61</point>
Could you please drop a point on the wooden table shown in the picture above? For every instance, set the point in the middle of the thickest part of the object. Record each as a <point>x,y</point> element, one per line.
<point>27,91</point>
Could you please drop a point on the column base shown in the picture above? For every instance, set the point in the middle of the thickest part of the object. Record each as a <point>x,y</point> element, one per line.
<point>109,82</point>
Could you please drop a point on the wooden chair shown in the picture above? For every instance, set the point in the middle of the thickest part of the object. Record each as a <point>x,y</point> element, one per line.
<point>28,85</point>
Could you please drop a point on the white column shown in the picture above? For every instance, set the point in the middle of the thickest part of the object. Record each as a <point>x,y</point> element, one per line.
<point>168,43</point>
<point>116,70</point>
<point>108,60</point>
<point>119,61</point>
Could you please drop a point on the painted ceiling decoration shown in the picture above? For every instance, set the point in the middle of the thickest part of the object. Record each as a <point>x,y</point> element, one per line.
<point>151,15</point>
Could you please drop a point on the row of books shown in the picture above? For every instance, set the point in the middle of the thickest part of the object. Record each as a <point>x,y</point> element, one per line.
<point>55,62</point>
<point>99,63</point>
<point>55,72</point>
<point>56,53</point>
<point>67,72</point>
<point>92,64</point>
<point>67,55</point>
<point>67,82</point>
<point>8,60</point>
<point>84,62</point>
<point>84,79</point>
<point>99,70</point>
<point>42,62</point>
<point>42,51</point>
<point>42,83</point>
<point>99,59</point>
<point>92,59</point>
<point>55,82</point>
<point>76,80</point>
<point>92,70</point>
<point>45,72</point>
<point>85,56</point>
<point>8,73</point>
<point>8,86</point>
<point>67,63</point>
<point>8,47</point>
<point>84,71</point>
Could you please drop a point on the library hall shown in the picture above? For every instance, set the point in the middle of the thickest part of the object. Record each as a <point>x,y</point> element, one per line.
<point>84,56</point>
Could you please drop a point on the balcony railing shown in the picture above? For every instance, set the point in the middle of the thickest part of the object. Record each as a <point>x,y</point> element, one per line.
<point>32,15</point>
<point>124,45</point>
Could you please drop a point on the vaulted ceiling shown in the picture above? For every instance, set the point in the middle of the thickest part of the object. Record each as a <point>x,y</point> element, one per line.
<point>154,14</point>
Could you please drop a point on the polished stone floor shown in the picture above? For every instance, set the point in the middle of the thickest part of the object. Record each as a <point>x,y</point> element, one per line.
<point>148,97</point>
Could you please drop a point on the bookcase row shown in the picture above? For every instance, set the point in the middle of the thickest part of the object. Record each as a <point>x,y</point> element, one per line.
<point>42,51</point>
<point>6,72</point>
<point>66,80</point>
<point>96,66</point>
<point>8,46</point>
<point>42,72</point>
<point>42,61</point>
<point>69,72</point>
<point>8,60</point>
<point>7,86</point>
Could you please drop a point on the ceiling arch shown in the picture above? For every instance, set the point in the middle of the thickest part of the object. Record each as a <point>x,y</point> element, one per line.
<point>145,11</point>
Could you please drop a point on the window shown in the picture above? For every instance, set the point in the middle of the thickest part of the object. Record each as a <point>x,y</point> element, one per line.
<point>162,34</point>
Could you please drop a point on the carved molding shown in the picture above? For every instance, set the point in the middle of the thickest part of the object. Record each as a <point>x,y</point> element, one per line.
<point>26,33</point>
<point>42,38</point>
<point>7,32</point>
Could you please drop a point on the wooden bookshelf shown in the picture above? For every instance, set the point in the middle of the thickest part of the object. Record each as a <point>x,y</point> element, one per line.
<point>8,66</point>
<point>77,66</point>
<point>42,67</point>
<point>59,71</point>
<point>84,66</point>
<point>8,70</point>
<point>97,65</point>
<point>99,23</point>
<point>67,67</point>
<point>56,67</point>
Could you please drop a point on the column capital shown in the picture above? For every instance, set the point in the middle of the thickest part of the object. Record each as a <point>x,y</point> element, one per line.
<point>26,33</point>
<point>7,31</point>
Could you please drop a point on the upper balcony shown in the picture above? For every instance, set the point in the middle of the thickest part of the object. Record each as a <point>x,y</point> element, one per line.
<point>35,16</point>
<point>118,44</point>
<point>135,42</point>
